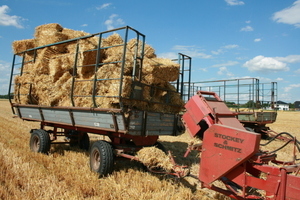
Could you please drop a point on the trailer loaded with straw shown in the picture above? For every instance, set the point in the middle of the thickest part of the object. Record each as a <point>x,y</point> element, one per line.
<point>109,83</point>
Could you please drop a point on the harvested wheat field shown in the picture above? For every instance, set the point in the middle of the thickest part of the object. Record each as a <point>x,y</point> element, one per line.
<point>65,173</point>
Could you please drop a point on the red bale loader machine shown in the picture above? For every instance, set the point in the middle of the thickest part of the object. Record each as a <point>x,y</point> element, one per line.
<point>231,154</point>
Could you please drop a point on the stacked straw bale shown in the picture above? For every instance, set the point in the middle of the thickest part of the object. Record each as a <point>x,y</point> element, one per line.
<point>47,79</point>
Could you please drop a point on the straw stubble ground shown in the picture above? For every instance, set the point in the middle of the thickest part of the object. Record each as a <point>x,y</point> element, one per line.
<point>65,173</point>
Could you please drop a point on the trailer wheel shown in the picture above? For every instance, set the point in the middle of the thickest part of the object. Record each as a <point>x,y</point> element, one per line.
<point>40,141</point>
<point>101,158</point>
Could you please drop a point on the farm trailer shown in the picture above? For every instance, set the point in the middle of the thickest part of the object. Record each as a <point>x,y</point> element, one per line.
<point>128,128</point>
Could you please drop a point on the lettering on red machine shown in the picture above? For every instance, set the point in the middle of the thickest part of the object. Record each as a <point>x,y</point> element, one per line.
<point>225,145</point>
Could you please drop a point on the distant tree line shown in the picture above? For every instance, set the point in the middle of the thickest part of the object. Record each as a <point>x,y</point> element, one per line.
<point>4,96</point>
<point>252,104</point>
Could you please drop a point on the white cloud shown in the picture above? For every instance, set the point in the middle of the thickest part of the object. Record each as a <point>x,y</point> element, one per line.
<point>7,20</point>
<point>265,64</point>
<point>234,2</point>
<point>279,79</point>
<point>248,22</point>
<point>222,49</point>
<point>247,28</point>
<point>219,51</point>
<point>203,69</point>
<point>229,63</point>
<point>5,71</point>
<point>231,46</point>
<point>191,51</point>
<point>290,15</point>
<point>289,59</point>
<point>113,21</point>
<point>84,25</point>
<point>103,6</point>
<point>169,55</point>
<point>3,65</point>
<point>224,70</point>
<point>297,71</point>
<point>292,86</point>
<point>257,40</point>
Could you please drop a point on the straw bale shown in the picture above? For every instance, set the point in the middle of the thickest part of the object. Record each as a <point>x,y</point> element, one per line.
<point>53,72</point>
<point>47,53</point>
<point>118,57</point>
<point>55,69</point>
<point>28,67</point>
<point>63,81</point>
<point>84,45</point>
<point>112,89</point>
<point>44,89</point>
<point>153,158</point>
<point>136,45</point>
<point>86,57</point>
<point>47,29</point>
<point>174,96</point>
<point>86,64</point>
<point>41,66</point>
<point>23,45</point>
<point>115,54</point>
<point>50,37</point>
<point>50,33</point>
<point>54,96</point>
<point>22,88</point>
<point>53,38</point>
<point>83,87</point>
<point>152,79</point>
<point>83,102</point>
<point>64,84</point>
<point>60,65</point>
<point>73,33</point>
<point>161,68</point>
<point>112,40</point>
<point>83,94</point>
<point>167,94</point>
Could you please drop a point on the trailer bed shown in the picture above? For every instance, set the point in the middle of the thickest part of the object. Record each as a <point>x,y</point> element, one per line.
<point>134,122</point>
<point>257,117</point>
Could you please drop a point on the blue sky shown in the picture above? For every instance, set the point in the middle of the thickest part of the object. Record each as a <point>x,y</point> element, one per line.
<point>226,39</point>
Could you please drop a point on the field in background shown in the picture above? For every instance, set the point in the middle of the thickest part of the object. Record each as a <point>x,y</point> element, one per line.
<point>65,173</point>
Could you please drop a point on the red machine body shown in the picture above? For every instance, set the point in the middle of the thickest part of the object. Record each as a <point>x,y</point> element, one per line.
<point>231,154</point>
<point>199,110</point>
<point>224,148</point>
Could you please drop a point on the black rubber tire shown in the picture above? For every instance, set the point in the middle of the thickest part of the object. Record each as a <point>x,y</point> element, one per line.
<point>102,158</point>
<point>40,141</point>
